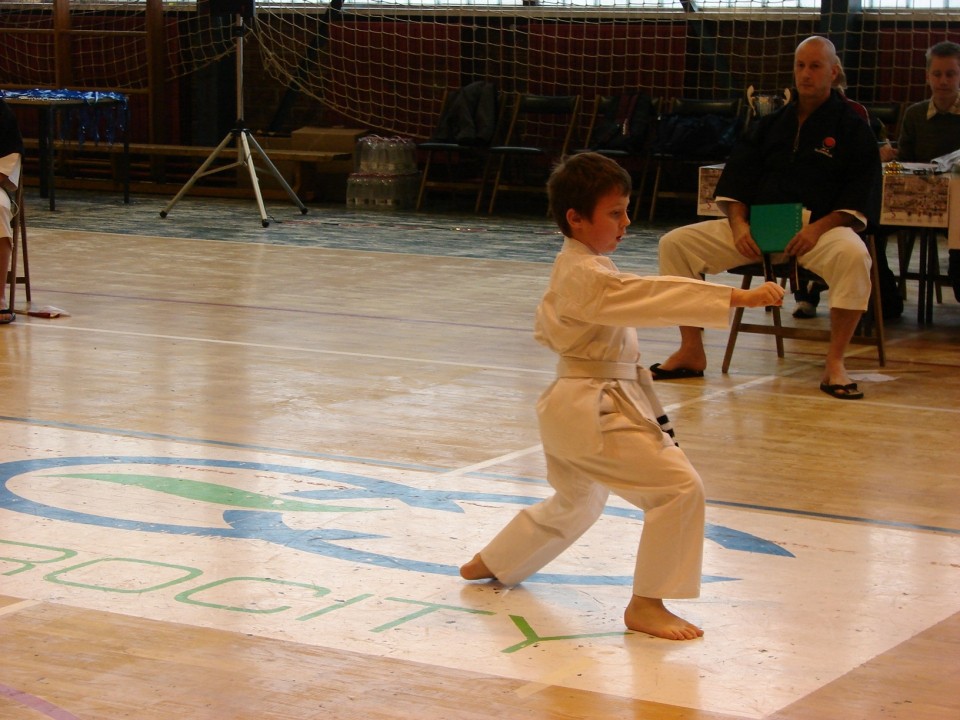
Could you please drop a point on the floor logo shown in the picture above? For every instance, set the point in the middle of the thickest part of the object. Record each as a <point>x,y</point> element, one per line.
<point>261,516</point>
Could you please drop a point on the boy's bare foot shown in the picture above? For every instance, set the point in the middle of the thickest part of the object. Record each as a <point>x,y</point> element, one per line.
<point>648,615</point>
<point>475,569</point>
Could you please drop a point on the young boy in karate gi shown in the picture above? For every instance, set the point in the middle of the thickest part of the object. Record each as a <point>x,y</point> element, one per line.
<point>602,428</point>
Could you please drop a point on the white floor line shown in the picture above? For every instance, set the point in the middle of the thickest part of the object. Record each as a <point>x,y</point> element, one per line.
<point>551,679</point>
<point>538,448</point>
<point>18,606</point>
<point>492,461</point>
<point>297,348</point>
<point>714,394</point>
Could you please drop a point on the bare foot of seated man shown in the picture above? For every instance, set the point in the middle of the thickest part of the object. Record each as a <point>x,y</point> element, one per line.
<point>840,386</point>
<point>690,360</point>
<point>648,615</point>
<point>835,381</point>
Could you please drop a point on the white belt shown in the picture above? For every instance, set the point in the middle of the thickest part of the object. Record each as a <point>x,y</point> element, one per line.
<point>568,367</point>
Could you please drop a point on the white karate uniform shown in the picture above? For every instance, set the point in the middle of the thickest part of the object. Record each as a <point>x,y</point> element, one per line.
<point>9,166</point>
<point>599,424</point>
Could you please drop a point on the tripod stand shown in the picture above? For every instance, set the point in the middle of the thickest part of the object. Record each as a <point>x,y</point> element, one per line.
<point>244,142</point>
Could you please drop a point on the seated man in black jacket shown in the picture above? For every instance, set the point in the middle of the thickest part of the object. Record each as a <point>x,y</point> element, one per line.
<point>816,151</point>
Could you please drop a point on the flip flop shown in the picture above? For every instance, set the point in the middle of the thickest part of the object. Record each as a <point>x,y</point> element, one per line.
<point>660,373</point>
<point>842,392</point>
<point>7,316</point>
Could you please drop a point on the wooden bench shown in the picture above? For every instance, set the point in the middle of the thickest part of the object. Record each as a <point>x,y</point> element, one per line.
<point>102,158</point>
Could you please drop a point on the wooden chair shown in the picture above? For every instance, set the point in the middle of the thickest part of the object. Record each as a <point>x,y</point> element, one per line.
<point>889,115</point>
<point>869,332</point>
<point>621,128</point>
<point>461,151</point>
<point>19,239</point>
<point>539,133</point>
<point>680,155</point>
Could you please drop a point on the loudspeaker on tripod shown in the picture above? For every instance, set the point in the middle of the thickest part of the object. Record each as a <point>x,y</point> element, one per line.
<point>240,136</point>
<point>243,8</point>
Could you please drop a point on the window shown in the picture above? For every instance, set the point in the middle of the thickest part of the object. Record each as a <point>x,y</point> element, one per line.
<point>670,5</point>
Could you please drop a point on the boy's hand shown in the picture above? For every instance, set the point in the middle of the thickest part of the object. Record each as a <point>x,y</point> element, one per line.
<point>770,293</point>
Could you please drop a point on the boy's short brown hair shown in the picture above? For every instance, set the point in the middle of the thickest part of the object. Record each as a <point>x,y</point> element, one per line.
<point>943,49</point>
<point>579,181</point>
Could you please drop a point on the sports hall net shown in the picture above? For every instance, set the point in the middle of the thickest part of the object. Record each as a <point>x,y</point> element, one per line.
<point>386,65</point>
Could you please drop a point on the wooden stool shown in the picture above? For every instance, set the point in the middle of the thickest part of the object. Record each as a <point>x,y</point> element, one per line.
<point>19,239</point>
<point>929,277</point>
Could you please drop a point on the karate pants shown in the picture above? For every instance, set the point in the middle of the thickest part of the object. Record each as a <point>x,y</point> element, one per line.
<point>9,166</point>
<point>6,217</point>
<point>840,257</point>
<point>644,467</point>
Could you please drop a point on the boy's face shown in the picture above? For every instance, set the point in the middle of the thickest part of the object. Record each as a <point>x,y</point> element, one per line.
<point>943,76</point>
<point>603,230</point>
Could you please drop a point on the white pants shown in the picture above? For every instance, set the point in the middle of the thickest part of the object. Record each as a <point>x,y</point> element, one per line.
<point>644,467</point>
<point>6,216</point>
<point>840,257</point>
<point>9,166</point>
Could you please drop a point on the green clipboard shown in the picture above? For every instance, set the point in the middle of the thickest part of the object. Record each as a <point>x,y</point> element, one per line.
<point>773,226</point>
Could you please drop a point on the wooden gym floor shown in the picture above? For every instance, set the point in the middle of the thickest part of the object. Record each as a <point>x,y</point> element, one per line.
<point>238,478</point>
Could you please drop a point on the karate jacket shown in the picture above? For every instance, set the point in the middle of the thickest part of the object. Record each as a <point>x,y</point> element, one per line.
<point>11,147</point>
<point>831,163</point>
<point>588,316</point>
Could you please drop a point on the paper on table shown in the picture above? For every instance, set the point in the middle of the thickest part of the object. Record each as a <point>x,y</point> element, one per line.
<point>953,214</point>
<point>945,163</point>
